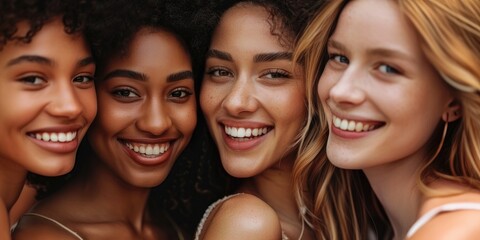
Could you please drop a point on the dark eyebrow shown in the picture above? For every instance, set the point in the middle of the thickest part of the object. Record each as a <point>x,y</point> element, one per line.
<point>219,54</point>
<point>30,58</point>
<point>269,57</point>
<point>180,76</point>
<point>86,61</point>
<point>125,73</point>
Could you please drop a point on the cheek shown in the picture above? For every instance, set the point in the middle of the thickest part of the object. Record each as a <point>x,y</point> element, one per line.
<point>325,84</point>
<point>209,98</point>
<point>89,103</point>
<point>184,118</point>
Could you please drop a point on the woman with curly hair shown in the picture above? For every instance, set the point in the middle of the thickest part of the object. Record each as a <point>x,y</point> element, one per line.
<point>47,92</point>
<point>253,99</point>
<point>401,94</point>
<point>146,117</point>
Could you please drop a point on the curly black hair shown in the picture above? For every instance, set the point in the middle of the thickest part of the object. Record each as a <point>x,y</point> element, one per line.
<point>38,12</point>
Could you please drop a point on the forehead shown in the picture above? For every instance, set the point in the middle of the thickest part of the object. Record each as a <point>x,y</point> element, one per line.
<point>246,26</point>
<point>378,23</point>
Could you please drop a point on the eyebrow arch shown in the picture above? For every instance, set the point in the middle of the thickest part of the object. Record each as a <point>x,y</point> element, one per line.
<point>269,57</point>
<point>127,74</point>
<point>388,53</point>
<point>180,76</point>
<point>30,58</point>
<point>213,53</point>
<point>334,44</point>
<point>86,61</point>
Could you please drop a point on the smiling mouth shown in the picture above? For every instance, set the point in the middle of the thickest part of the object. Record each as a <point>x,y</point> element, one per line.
<point>239,133</point>
<point>61,137</point>
<point>355,126</point>
<point>147,150</point>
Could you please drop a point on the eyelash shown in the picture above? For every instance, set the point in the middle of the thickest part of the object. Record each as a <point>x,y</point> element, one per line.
<point>333,57</point>
<point>185,93</point>
<point>215,72</point>
<point>32,79</point>
<point>277,73</point>
<point>119,93</point>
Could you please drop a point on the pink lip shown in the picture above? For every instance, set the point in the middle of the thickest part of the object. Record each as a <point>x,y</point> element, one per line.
<point>146,161</point>
<point>243,145</point>
<point>57,147</point>
<point>347,134</point>
<point>244,124</point>
<point>63,128</point>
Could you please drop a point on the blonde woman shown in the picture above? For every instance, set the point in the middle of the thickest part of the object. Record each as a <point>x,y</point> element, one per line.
<point>400,92</point>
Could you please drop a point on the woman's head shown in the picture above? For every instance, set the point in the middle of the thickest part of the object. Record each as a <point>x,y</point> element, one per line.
<point>48,96</point>
<point>252,93</point>
<point>443,36</point>
<point>146,97</point>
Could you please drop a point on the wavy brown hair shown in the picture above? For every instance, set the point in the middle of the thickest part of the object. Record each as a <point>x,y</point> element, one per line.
<point>339,203</point>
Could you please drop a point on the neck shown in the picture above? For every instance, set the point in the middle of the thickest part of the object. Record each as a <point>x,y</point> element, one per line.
<point>104,189</point>
<point>395,186</point>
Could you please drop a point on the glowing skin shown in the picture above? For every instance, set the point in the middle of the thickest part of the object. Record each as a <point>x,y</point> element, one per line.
<point>47,100</point>
<point>382,98</point>
<point>252,97</point>
<point>146,109</point>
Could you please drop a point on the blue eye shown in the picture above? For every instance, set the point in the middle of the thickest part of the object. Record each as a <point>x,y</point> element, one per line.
<point>339,58</point>
<point>384,68</point>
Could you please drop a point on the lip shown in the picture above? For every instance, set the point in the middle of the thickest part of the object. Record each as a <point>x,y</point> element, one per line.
<point>148,161</point>
<point>374,125</point>
<point>57,147</point>
<point>244,143</point>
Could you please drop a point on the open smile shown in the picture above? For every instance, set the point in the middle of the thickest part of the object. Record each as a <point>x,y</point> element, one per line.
<point>355,125</point>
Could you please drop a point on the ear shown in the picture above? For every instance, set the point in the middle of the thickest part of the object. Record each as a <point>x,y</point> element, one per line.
<point>453,112</point>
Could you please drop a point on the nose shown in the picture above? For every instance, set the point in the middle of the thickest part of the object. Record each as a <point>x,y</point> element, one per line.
<point>155,118</point>
<point>65,101</point>
<point>348,89</point>
<point>241,98</point>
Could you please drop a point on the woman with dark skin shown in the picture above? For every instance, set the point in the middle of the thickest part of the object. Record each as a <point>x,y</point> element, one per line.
<point>48,96</point>
<point>146,117</point>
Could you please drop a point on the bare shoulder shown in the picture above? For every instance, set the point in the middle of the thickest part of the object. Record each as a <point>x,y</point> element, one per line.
<point>461,224</point>
<point>243,217</point>
<point>32,227</point>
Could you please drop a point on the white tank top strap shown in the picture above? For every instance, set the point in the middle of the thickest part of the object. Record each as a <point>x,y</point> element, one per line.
<point>56,222</point>
<point>449,207</point>
<point>207,213</point>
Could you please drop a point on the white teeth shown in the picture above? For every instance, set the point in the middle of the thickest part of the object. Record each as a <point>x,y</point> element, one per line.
<point>351,126</point>
<point>245,132</point>
<point>149,150</point>
<point>55,137</point>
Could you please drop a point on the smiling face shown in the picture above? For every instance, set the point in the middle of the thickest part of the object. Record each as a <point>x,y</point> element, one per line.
<point>251,96</point>
<point>47,99</point>
<point>382,98</point>
<point>146,109</point>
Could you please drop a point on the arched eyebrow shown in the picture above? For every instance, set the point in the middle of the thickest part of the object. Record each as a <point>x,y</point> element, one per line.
<point>46,61</point>
<point>127,74</point>
<point>213,53</point>
<point>274,56</point>
<point>180,76</point>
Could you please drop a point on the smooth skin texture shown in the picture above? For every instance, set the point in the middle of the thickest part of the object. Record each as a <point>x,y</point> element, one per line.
<point>253,99</point>
<point>383,101</point>
<point>47,91</point>
<point>146,100</point>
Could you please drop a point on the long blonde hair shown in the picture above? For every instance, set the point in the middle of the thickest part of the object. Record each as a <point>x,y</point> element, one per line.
<point>325,192</point>
<point>449,33</point>
<point>339,204</point>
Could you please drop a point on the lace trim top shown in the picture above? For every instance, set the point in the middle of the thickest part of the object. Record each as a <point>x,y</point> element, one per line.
<point>209,210</point>
<point>56,222</point>
<point>443,208</point>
